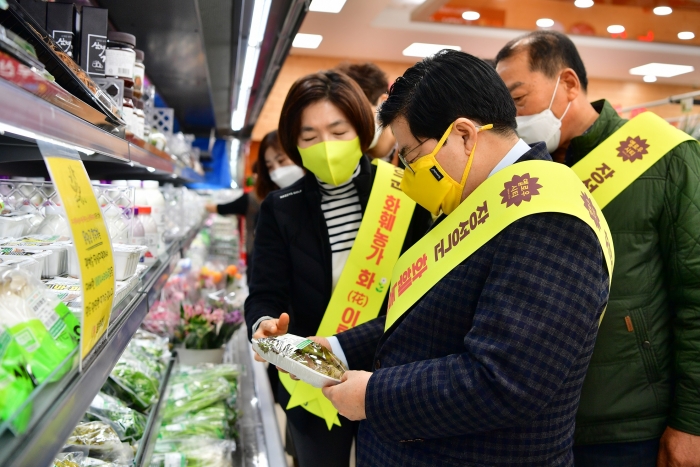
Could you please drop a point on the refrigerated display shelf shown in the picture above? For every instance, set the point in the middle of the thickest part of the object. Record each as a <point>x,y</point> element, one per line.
<point>58,407</point>
<point>29,117</point>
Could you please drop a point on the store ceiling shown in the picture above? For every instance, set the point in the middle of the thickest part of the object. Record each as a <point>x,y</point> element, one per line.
<point>195,53</point>
<point>382,29</point>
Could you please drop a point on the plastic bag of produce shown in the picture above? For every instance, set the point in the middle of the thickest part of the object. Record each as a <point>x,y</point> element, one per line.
<point>215,421</point>
<point>132,382</point>
<point>195,394</point>
<point>305,359</point>
<point>15,383</point>
<point>69,459</point>
<point>128,423</point>
<point>103,442</point>
<point>193,452</point>
<point>223,370</point>
<point>151,350</point>
<point>37,322</point>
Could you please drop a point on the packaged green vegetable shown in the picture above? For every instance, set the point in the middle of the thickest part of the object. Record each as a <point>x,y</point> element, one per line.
<point>195,394</point>
<point>193,452</point>
<point>127,423</point>
<point>132,382</point>
<point>15,388</point>
<point>29,313</point>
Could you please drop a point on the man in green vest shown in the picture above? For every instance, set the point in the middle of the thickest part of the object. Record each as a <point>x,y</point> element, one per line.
<point>640,404</point>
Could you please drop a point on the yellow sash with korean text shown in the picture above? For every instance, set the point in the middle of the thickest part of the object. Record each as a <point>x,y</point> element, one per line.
<point>364,282</point>
<point>626,154</point>
<point>517,191</point>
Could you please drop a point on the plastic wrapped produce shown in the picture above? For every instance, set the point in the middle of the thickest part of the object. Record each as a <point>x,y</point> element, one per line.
<point>193,452</point>
<point>133,382</point>
<point>102,442</point>
<point>303,358</point>
<point>195,393</point>
<point>43,328</point>
<point>69,459</point>
<point>127,423</point>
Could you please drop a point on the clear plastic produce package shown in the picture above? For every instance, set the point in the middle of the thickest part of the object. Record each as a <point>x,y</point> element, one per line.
<point>127,423</point>
<point>305,359</point>
<point>193,452</point>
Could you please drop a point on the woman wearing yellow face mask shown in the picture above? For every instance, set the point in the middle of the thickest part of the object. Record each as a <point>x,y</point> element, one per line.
<point>325,246</point>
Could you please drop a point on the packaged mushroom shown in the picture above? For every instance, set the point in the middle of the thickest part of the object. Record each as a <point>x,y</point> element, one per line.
<point>303,358</point>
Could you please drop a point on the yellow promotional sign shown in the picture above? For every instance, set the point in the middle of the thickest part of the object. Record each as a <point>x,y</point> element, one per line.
<point>364,282</point>
<point>91,240</point>
<point>517,191</point>
<point>626,154</point>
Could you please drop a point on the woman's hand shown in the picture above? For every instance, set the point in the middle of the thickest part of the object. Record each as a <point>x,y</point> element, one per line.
<point>271,328</point>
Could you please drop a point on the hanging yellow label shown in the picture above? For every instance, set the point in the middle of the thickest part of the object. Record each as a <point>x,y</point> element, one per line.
<point>91,240</point>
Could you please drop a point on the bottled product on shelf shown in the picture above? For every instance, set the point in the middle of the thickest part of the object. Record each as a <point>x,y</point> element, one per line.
<point>150,233</point>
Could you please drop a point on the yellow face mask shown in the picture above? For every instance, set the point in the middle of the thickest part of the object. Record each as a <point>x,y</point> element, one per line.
<point>333,162</point>
<point>430,186</point>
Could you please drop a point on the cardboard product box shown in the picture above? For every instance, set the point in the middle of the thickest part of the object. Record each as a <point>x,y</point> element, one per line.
<point>36,9</point>
<point>59,25</point>
<point>91,26</point>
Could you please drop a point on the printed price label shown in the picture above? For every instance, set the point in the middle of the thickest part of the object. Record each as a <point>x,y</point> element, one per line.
<point>90,237</point>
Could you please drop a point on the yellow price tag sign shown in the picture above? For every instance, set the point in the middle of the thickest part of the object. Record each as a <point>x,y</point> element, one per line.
<point>90,237</point>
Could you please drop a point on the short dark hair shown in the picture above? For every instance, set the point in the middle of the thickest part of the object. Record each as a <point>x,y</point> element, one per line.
<point>369,76</point>
<point>339,90</point>
<point>264,184</point>
<point>440,89</point>
<point>549,53</point>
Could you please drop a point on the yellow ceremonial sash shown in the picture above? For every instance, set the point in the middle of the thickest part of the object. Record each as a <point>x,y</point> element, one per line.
<point>364,282</point>
<point>626,154</point>
<point>517,191</point>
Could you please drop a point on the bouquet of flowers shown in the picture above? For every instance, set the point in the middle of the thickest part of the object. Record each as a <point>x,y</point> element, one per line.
<point>206,326</point>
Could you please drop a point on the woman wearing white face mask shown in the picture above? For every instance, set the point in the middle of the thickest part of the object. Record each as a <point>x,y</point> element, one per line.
<point>332,237</point>
<point>273,170</point>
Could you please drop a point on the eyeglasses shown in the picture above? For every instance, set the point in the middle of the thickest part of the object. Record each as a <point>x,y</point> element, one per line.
<point>402,158</point>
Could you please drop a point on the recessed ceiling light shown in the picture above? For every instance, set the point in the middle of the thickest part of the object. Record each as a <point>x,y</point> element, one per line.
<point>583,3</point>
<point>545,23</point>
<point>327,6</point>
<point>471,15</point>
<point>686,35</point>
<point>663,70</point>
<point>307,41</point>
<point>616,29</point>
<point>663,10</point>
<point>420,49</point>
<point>650,79</point>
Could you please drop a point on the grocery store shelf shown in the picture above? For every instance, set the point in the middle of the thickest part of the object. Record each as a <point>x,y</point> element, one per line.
<point>59,406</point>
<point>150,435</point>
<point>260,443</point>
<point>28,118</point>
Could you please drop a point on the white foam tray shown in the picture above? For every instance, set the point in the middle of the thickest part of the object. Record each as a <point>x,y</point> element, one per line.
<point>301,371</point>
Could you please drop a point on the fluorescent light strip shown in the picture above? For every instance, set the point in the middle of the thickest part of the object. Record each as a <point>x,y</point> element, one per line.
<point>327,6</point>
<point>261,11</point>
<point>661,70</point>
<point>421,49</point>
<point>307,41</point>
<point>31,135</point>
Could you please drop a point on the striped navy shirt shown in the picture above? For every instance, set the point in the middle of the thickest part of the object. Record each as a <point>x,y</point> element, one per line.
<point>343,213</point>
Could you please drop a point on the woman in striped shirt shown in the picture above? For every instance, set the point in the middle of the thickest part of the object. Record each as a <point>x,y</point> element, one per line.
<point>306,232</point>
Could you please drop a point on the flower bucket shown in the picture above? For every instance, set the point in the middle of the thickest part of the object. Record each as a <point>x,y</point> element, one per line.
<point>195,356</point>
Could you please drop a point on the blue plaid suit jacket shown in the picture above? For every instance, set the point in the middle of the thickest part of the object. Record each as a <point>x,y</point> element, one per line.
<point>487,368</point>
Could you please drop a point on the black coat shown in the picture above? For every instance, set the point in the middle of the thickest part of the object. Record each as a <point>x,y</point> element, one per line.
<point>292,254</point>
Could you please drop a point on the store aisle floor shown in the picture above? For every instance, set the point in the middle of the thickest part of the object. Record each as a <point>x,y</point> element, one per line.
<point>282,421</point>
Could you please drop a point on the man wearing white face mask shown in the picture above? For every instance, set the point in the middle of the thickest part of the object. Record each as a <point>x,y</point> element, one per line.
<point>639,404</point>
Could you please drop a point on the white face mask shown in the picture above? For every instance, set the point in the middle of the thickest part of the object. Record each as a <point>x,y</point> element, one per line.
<point>544,126</point>
<point>287,175</point>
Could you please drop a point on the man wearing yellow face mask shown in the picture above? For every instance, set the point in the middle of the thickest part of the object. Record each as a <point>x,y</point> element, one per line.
<point>493,314</point>
<point>325,246</point>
